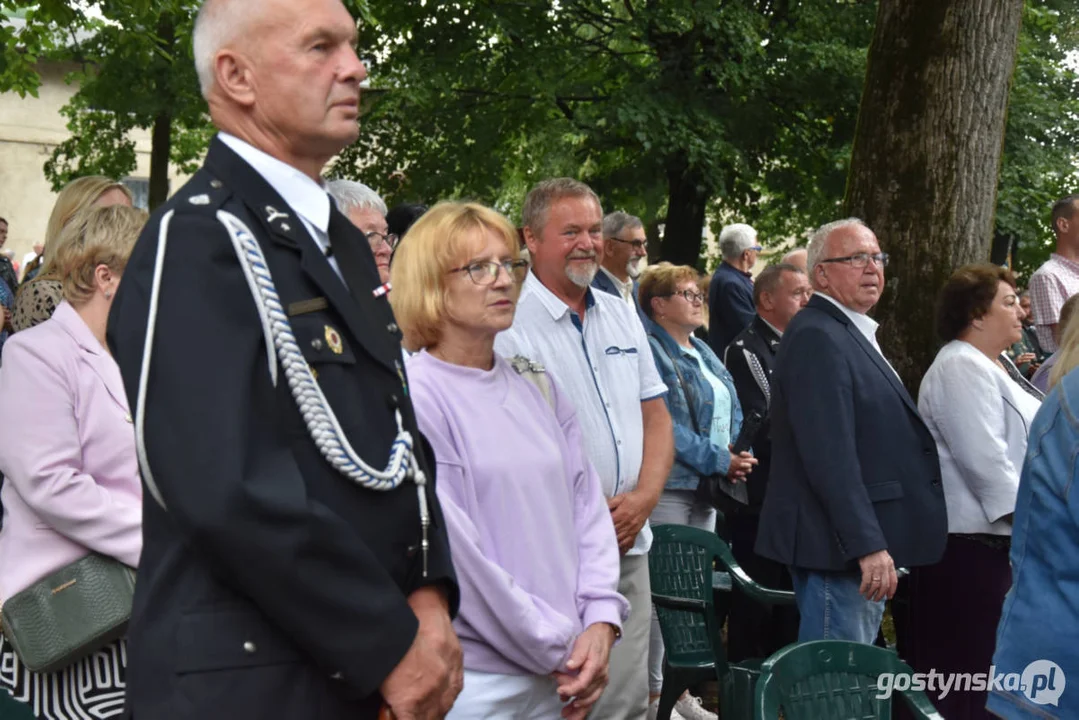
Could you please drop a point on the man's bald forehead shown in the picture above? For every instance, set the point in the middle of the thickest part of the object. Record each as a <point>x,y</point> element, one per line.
<point>848,235</point>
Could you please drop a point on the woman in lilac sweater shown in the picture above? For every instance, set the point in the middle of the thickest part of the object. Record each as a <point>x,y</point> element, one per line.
<point>533,543</point>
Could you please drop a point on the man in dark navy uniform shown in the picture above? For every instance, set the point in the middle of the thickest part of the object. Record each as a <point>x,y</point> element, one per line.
<point>271,584</point>
<point>779,292</point>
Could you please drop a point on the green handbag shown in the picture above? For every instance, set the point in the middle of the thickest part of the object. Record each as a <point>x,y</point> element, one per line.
<point>68,615</point>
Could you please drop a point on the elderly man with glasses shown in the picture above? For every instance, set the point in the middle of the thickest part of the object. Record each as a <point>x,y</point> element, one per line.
<point>855,486</point>
<point>624,246</point>
<point>730,295</point>
<point>367,211</point>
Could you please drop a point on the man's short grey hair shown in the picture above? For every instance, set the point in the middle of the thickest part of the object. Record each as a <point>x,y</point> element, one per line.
<point>218,22</point>
<point>540,198</point>
<point>617,222</point>
<point>736,239</point>
<point>815,250</point>
<point>351,195</point>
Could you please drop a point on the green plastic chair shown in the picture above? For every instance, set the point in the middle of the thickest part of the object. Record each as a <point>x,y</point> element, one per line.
<point>686,565</point>
<point>12,710</point>
<point>833,680</point>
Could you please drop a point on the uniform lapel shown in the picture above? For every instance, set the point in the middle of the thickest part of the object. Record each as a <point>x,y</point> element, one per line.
<point>285,228</point>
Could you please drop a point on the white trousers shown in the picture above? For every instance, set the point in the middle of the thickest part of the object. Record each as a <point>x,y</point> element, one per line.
<point>494,696</point>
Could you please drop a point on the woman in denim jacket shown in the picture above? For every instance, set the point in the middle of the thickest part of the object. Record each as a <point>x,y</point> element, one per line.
<point>698,384</point>
<point>1040,619</point>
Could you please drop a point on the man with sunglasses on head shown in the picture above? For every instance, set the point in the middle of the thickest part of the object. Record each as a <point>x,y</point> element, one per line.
<point>624,246</point>
<point>730,295</point>
<point>854,490</point>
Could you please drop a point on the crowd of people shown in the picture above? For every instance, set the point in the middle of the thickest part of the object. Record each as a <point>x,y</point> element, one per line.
<point>406,463</point>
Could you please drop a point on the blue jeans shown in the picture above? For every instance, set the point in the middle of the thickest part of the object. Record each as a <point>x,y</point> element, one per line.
<point>832,608</point>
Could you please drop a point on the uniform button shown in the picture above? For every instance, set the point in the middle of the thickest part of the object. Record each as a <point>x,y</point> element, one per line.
<point>392,327</point>
<point>936,481</point>
<point>215,183</point>
<point>316,344</point>
<point>249,647</point>
<point>337,676</point>
<point>927,451</point>
<point>393,401</point>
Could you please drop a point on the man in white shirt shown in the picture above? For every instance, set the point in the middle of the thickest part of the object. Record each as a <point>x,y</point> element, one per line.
<point>291,566</point>
<point>855,484</point>
<point>624,246</point>
<point>598,354</point>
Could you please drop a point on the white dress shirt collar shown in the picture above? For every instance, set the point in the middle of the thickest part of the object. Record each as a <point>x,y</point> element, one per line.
<point>554,305</point>
<point>865,324</point>
<point>774,328</point>
<point>303,194</point>
<point>625,289</point>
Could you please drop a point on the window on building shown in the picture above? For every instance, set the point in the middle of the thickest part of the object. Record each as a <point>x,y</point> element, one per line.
<point>140,191</point>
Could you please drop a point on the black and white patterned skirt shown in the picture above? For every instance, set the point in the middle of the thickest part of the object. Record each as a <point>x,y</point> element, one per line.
<point>91,689</point>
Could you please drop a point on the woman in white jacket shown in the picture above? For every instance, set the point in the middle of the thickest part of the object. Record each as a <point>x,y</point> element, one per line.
<point>979,409</point>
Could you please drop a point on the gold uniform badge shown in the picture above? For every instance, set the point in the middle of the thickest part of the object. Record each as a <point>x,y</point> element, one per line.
<point>333,339</point>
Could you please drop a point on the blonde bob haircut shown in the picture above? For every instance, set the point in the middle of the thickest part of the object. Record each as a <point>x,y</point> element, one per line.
<point>77,195</point>
<point>446,237</point>
<point>662,280</point>
<point>95,236</point>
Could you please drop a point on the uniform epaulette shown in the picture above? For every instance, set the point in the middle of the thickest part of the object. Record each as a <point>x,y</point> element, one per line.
<point>203,193</point>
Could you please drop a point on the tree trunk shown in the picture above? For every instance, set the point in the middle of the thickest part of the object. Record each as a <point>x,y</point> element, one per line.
<point>161,134</point>
<point>927,154</point>
<point>686,203</point>
<point>160,149</point>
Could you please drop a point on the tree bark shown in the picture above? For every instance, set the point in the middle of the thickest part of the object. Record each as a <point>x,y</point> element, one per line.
<point>686,204</point>
<point>161,133</point>
<point>160,149</point>
<point>927,154</point>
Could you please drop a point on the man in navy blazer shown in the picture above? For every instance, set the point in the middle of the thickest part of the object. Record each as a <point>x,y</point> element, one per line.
<point>855,487</point>
<point>730,293</point>
<point>624,244</point>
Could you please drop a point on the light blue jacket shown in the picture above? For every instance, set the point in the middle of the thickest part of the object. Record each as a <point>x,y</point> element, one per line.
<point>1040,618</point>
<point>694,453</point>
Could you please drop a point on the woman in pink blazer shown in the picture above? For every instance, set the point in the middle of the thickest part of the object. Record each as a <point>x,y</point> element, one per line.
<point>67,453</point>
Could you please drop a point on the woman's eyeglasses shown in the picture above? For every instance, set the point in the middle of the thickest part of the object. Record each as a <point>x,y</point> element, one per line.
<point>690,296</point>
<point>485,273</point>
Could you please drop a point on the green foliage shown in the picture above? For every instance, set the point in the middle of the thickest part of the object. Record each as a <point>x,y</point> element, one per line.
<point>39,36</point>
<point>751,105</point>
<point>1043,130</point>
<point>135,66</point>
